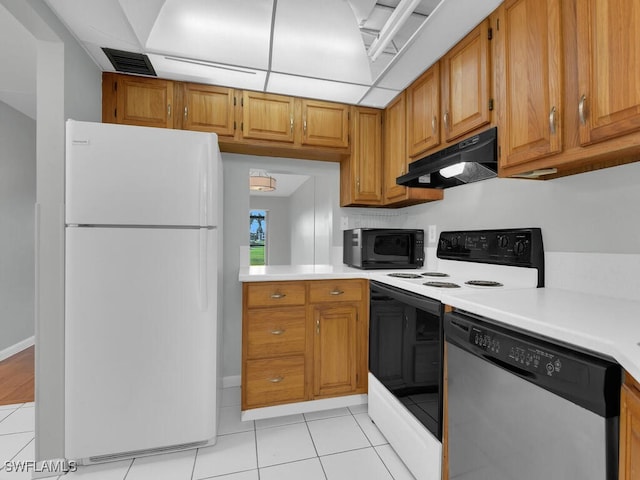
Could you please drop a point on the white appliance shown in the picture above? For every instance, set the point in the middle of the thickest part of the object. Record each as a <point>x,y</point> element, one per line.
<point>142,277</point>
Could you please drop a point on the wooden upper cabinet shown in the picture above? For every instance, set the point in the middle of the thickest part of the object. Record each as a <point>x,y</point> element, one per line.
<point>268,117</point>
<point>395,149</point>
<point>466,84</point>
<point>366,157</point>
<point>140,101</point>
<point>608,68</point>
<point>529,80</point>
<point>325,124</point>
<point>423,112</point>
<point>208,109</point>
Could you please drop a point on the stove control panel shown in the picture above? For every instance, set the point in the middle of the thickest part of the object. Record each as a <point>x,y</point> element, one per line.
<point>527,358</point>
<point>520,247</point>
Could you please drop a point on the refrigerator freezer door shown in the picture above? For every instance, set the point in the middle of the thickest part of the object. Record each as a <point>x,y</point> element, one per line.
<point>126,175</point>
<point>140,339</point>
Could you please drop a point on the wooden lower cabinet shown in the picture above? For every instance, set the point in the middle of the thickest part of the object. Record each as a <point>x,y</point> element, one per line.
<point>303,340</point>
<point>630,430</point>
<point>334,349</point>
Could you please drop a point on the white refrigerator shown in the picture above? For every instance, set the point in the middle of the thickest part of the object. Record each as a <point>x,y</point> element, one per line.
<point>142,277</point>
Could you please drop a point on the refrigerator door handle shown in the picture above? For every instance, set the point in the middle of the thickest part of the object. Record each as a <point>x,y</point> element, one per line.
<point>204,174</point>
<point>203,280</point>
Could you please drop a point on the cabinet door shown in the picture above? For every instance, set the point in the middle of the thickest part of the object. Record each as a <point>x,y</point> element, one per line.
<point>325,124</point>
<point>529,59</point>
<point>466,84</point>
<point>608,68</point>
<point>267,117</point>
<point>144,101</point>
<point>629,434</point>
<point>395,149</point>
<point>423,112</point>
<point>208,109</point>
<point>366,157</point>
<point>335,351</point>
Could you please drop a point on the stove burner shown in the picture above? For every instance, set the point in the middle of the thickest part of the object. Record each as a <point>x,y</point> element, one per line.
<point>441,284</point>
<point>483,283</point>
<point>435,274</point>
<point>404,275</point>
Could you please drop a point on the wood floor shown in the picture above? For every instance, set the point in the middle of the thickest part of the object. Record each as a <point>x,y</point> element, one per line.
<point>17,378</point>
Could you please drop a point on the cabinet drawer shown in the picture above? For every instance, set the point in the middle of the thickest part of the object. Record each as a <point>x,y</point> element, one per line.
<point>275,331</point>
<point>335,291</point>
<point>275,293</point>
<point>274,380</point>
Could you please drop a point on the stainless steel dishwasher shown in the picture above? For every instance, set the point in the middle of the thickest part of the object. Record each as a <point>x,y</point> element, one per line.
<point>520,407</point>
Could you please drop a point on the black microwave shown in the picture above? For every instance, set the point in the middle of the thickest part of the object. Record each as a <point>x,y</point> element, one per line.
<point>371,248</point>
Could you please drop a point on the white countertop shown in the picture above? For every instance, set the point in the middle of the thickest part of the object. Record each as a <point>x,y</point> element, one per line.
<point>606,325</point>
<point>601,324</point>
<point>270,273</point>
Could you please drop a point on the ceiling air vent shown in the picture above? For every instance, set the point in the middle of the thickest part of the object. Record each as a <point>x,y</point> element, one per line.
<point>130,62</point>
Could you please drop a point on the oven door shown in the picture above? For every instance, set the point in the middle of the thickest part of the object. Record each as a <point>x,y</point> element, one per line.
<point>405,351</point>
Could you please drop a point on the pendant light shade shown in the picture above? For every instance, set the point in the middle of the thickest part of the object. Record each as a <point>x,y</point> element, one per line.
<point>261,181</point>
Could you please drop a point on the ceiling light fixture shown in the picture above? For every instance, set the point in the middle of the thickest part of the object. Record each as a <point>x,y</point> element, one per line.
<point>397,19</point>
<point>261,181</point>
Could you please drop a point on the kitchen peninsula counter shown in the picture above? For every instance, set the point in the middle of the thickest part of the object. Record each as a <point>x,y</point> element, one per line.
<point>605,325</point>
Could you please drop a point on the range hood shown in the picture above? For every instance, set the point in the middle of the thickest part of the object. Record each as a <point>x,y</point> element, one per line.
<point>471,160</point>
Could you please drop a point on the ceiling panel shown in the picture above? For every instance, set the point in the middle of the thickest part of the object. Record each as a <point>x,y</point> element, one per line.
<point>103,24</point>
<point>234,33</point>
<point>321,40</point>
<point>142,16</point>
<point>315,88</point>
<point>378,97</point>
<point>201,72</point>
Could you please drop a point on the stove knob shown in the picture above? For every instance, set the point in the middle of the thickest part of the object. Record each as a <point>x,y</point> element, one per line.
<point>503,241</point>
<point>519,247</point>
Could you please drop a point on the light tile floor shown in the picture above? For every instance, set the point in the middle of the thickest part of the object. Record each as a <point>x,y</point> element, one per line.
<point>338,444</point>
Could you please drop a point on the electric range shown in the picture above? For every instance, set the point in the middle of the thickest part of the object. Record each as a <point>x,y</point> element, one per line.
<point>406,332</point>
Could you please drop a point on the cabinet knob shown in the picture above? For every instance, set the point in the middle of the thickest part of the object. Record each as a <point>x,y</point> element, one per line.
<point>278,296</point>
<point>336,292</point>
<point>582,109</point>
<point>552,121</point>
<point>278,331</point>
<point>277,379</point>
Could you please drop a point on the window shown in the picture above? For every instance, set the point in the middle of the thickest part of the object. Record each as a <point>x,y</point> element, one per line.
<point>258,237</point>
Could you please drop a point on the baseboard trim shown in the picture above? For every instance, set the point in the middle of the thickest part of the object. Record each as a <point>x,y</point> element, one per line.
<point>231,381</point>
<point>17,348</point>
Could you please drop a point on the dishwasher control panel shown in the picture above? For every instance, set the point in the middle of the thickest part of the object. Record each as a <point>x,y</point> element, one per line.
<point>527,356</point>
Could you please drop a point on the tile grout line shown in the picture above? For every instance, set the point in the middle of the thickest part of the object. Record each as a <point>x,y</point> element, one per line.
<point>255,436</point>
<point>306,424</point>
<point>126,474</point>
<point>195,459</point>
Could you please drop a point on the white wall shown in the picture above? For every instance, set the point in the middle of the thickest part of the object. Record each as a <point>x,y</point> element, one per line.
<point>303,227</point>
<point>278,227</point>
<point>68,86</point>
<point>17,200</point>
<point>590,212</point>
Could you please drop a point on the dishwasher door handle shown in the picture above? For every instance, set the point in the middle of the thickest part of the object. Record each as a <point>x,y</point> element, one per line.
<point>507,366</point>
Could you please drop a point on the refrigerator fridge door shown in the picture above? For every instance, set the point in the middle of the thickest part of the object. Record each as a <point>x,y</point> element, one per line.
<point>140,339</point>
<point>126,175</point>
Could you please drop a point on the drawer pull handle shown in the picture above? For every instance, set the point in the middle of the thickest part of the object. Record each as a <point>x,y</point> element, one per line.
<point>336,292</point>
<point>279,331</point>
<point>552,121</point>
<point>277,296</point>
<point>276,379</point>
